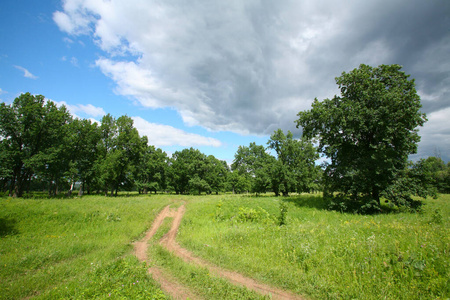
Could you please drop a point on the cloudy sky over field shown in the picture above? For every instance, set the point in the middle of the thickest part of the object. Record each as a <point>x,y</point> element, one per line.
<point>214,75</point>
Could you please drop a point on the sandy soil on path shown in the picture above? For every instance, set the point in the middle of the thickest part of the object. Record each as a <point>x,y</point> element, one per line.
<point>169,242</point>
<point>181,292</point>
<point>168,285</point>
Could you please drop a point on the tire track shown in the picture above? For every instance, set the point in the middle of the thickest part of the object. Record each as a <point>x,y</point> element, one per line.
<point>177,290</point>
<point>168,285</point>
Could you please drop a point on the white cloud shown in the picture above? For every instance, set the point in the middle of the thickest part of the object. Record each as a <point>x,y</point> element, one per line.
<point>27,73</point>
<point>250,66</point>
<point>164,135</point>
<point>88,109</point>
<point>74,61</point>
<point>67,41</point>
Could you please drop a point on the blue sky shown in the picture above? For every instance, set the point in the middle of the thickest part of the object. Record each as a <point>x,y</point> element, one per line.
<point>218,74</point>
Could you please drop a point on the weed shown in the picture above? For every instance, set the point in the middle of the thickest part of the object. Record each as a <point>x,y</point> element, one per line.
<point>436,217</point>
<point>283,213</point>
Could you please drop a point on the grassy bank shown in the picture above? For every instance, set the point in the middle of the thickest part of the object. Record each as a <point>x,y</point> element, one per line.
<point>75,248</point>
<point>325,254</point>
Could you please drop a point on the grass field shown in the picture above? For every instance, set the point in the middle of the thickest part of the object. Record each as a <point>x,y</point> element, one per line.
<point>81,248</point>
<point>75,248</point>
<point>324,254</point>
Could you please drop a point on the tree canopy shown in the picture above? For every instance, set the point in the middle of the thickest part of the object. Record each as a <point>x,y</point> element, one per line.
<point>368,131</point>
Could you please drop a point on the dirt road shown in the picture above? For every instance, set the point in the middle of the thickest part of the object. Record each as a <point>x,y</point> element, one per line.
<point>180,292</point>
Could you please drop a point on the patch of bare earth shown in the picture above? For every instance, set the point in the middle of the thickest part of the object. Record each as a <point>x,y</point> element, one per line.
<point>170,243</point>
<point>168,284</point>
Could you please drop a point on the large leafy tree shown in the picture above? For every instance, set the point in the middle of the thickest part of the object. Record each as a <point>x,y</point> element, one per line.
<point>187,171</point>
<point>120,149</point>
<point>367,132</point>
<point>254,164</point>
<point>295,169</point>
<point>32,132</point>
<point>152,170</point>
<point>82,140</point>
<point>216,173</point>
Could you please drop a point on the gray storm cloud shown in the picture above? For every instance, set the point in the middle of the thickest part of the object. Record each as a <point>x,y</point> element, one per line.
<point>250,66</point>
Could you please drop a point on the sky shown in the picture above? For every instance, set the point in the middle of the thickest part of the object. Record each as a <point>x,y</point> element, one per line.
<point>215,75</point>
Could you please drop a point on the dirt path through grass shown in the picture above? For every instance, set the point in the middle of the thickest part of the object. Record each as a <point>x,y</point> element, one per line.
<point>169,242</point>
<point>169,285</point>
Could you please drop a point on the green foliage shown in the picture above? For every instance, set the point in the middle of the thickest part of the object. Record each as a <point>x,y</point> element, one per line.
<point>439,173</point>
<point>152,169</point>
<point>436,217</point>
<point>367,132</point>
<point>248,214</point>
<point>192,171</point>
<point>120,150</point>
<point>359,205</point>
<point>295,169</point>
<point>283,213</point>
<point>416,180</point>
<point>252,167</point>
<point>33,133</point>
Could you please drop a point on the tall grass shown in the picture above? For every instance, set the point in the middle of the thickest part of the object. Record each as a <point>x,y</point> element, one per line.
<point>75,248</point>
<point>325,254</point>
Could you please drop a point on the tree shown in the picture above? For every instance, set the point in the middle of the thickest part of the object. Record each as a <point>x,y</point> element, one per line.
<point>120,149</point>
<point>440,173</point>
<point>253,163</point>
<point>415,180</point>
<point>367,132</point>
<point>83,138</point>
<point>238,183</point>
<point>32,132</point>
<point>152,169</point>
<point>186,165</point>
<point>295,170</point>
<point>217,172</point>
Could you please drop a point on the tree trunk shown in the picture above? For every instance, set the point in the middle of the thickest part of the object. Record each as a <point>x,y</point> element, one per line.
<point>18,186</point>
<point>80,191</point>
<point>69,192</point>
<point>376,195</point>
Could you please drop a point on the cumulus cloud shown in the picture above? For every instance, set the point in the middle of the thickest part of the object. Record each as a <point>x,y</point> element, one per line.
<point>27,73</point>
<point>164,135</point>
<point>88,109</point>
<point>250,66</point>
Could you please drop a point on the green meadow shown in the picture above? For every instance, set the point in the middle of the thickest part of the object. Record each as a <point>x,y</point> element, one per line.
<point>76,248</point>
<point>81,248</point>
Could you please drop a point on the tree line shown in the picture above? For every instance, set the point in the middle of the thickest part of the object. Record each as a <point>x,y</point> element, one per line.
<point>43,147</point>
<point>366,135</point>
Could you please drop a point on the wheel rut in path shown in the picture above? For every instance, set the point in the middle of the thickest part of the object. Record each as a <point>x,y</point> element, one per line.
<point>168,285</point>
<point>169,242</point>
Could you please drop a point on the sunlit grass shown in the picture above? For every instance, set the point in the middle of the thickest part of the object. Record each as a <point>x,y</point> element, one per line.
<point>81,248</point>
<point>51,247</point>
<point>326,254</point>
